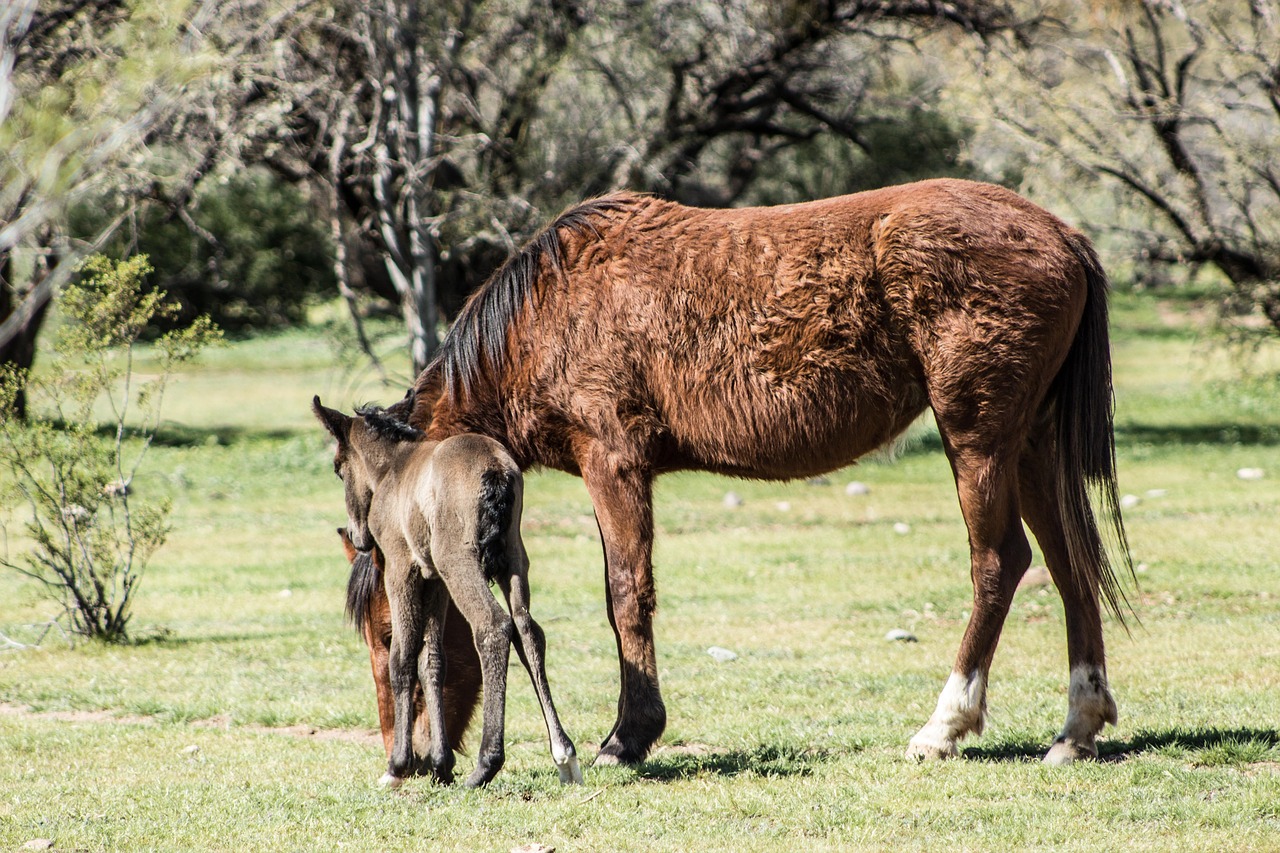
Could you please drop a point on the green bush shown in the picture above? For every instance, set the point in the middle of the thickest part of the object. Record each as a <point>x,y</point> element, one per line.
<point>268,257</point>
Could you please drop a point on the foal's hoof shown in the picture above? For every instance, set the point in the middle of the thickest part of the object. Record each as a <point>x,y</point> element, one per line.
<point>570,772</point>
<point>390,781</point>
<point>1066,751</point>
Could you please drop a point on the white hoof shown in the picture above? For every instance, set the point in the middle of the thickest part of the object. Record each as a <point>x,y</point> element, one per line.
<point>925,748</point>
<point>391,782</point>
<point>1069,752</point>
<point>570,772</point>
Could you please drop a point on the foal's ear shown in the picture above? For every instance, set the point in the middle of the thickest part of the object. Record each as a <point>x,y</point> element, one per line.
<point>338,424</point>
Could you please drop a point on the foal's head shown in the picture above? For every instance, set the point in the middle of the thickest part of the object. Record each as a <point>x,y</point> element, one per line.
<point>366,445</point>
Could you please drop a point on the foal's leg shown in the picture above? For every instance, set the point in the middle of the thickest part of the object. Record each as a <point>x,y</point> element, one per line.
<point>532,649</point>
<point>431,665</point>
<point>1089,702</point>
<point>622,495</point>
<point>404,594</point>
<point>1000,555</point>
<point>491,629</point>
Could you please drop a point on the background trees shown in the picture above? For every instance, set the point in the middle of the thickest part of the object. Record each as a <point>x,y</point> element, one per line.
<point>265,151</point>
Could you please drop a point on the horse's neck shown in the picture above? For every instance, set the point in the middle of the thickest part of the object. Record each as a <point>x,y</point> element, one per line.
<point>389,459</point>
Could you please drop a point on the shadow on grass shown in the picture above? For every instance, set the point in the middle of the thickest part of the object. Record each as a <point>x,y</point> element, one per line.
<point>1247,435</point>
<point>1175,740</point>
<point>1137,434</point>
<point>765,760</point>
<point>184,435</point>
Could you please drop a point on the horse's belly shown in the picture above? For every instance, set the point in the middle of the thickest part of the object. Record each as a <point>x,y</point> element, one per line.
<point>784,431</point>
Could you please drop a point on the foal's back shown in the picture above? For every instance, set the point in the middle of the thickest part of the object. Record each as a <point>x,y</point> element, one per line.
<point>459,494</point>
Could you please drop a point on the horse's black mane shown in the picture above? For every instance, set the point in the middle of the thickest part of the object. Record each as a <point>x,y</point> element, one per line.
<point>476,344</point>
<point>385,424</point>
<point>362,587</point>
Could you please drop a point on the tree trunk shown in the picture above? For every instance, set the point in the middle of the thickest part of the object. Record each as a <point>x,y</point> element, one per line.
<point>20,350</point>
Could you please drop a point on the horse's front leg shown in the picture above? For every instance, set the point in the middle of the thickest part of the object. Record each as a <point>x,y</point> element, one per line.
<point>622,495</point>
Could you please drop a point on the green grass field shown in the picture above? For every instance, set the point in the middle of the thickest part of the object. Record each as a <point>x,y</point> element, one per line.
<point>244,718</point>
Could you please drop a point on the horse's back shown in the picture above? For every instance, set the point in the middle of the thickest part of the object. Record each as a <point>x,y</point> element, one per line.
<point>787,340</point>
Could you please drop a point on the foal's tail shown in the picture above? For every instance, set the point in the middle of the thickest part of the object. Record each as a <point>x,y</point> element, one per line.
<point>497,506</point>
<point>1083,406</point>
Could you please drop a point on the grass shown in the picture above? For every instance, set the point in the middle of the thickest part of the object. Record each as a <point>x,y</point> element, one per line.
<point>243,718</point>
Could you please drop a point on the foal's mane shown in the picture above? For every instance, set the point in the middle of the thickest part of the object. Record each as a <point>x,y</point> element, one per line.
<point>476,345</point>
<point>387,426</point>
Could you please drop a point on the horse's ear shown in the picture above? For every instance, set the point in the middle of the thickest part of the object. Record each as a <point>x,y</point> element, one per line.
<point>402,409</point>
<point>338,424</point>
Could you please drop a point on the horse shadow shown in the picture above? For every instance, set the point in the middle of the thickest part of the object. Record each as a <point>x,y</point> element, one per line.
<point>769,760</point>
<point>1143,742</point>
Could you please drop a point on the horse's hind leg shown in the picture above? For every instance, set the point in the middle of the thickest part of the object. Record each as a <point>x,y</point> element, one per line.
<point>404,589</point>
<point>1000,555</point>
<point>532,649</point>
<point>1090,705</point>
<point>431,664</point>
<point>491,629</point>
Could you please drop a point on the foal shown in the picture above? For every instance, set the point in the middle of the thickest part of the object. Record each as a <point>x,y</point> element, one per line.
<point>447,518</point>
<point>370,612</point>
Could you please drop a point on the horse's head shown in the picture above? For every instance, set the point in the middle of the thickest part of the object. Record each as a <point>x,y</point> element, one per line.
<point>350,465</point>
<point>366,449</point>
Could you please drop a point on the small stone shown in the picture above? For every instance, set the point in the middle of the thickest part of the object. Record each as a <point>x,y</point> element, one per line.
<point>191,750</point>
<point>819,481</point>
<point>1251,473</point>
<point>898,635</point>
<point>855,489</point>
<point>901,528</point>
<point>783,506</point>
<point>732,500</point>
<point>1035,576</point>
<point>1129,501</point>
<point>721,655</point>
<point>1157,493</point>
<point>285,593</point>
<point>39,844</point>
<point>533,848</point>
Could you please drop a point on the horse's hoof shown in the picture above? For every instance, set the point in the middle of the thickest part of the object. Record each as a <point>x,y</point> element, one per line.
<point>476,780</point>
<point>1069,752</point>
<point>570,772</point>
<point>390,781</point>
<point>614,754</point>
<point>927,749</point>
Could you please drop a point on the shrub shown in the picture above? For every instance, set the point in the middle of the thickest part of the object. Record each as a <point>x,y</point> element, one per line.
<point>91,539</point>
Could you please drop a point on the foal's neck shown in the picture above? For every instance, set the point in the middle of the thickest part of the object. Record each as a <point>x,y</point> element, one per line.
<point>386,457</point>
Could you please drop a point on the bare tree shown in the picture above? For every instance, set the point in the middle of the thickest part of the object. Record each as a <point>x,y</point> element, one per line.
<point>1178,105</point>
<point>74,105</point>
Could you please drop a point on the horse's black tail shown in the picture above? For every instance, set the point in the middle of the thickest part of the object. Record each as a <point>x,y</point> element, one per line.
<point>1084,411</point>
<point>362,586</point>
<point>498,503</point>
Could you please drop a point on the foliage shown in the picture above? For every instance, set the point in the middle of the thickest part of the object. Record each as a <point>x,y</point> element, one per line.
<point>252,257</point>
<point>90,538</point>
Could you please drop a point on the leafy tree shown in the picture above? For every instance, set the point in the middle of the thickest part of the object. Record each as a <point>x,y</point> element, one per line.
<point>250,255</point>
<point>91,538</point>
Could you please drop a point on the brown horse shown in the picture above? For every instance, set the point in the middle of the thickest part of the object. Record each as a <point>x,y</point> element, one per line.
<point>446,516</point>
<point>636,336</point>
<point>370,612</point>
